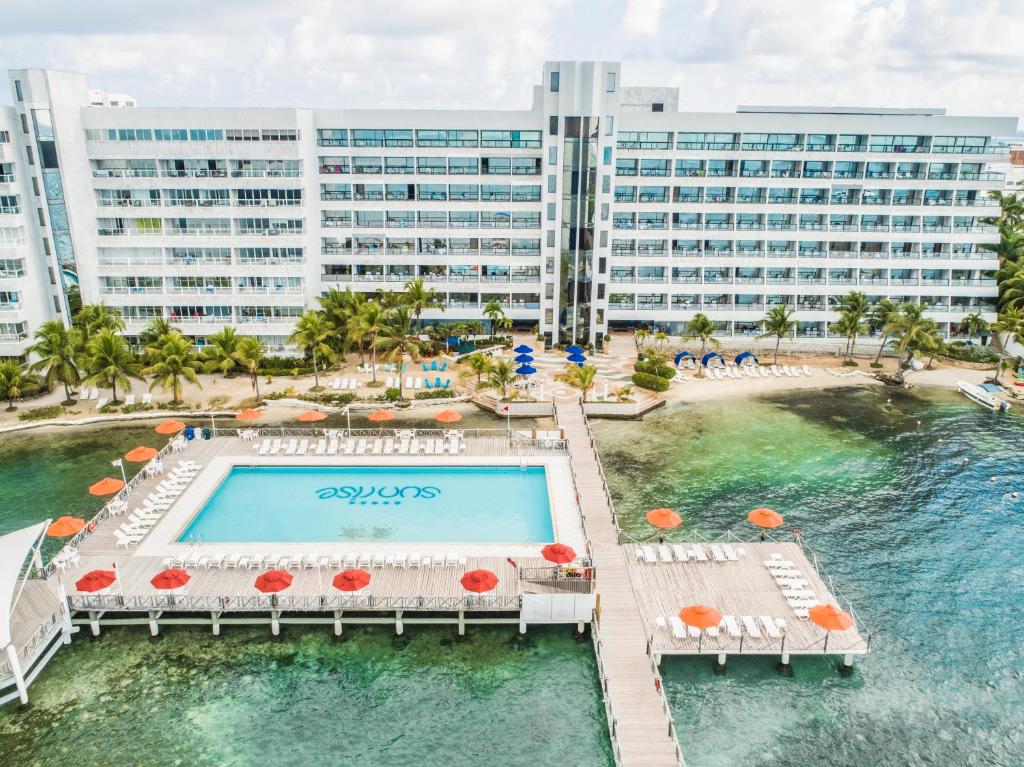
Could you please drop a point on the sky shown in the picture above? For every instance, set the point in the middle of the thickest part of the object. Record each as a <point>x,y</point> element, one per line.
<point>964,55</point>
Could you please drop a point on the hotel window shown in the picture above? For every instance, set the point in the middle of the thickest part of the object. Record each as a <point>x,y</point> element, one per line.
<point>201,134</point>
<point>275,134</point>
<point>554,82</point>
<point>240,134</point>
<point>610,82</point>
<point>17,91</point>
<point>5,137</point>
<point>332,137</point>
<point>399,138</point>
<point>463,166</point>
<point>959,144</point>
<point>553,125</point>
<point>552,155</point>
<point>365,137</point>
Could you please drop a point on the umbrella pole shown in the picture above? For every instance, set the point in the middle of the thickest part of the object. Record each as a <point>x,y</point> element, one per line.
<point>825,649</point>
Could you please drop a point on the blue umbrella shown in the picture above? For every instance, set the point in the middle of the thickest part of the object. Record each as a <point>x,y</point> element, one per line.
<point>525,370</point>
<point>574,350</point>
<point>577,357</point>
<point>522,349</point>
<point>522,359</point>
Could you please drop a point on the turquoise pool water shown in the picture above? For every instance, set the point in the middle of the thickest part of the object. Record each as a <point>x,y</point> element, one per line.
<point>409,504</point>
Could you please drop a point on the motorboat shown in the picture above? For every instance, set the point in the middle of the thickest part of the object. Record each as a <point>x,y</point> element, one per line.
<point>982,396</point>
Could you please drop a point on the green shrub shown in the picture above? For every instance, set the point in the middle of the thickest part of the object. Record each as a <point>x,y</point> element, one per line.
<point>960,351</point>
<point>337,399</point>
<point>850,363</point>
<point>137,408</point>
<point>650,382</point>
<point>41,413</point>
<point>107,409</point>
<point>655,368</point>
<point>392,394</point>
<point>434,394</point>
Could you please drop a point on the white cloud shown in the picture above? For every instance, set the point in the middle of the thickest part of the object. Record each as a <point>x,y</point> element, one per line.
<point>961,54</point>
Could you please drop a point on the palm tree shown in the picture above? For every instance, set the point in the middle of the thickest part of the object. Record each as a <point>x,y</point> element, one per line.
<point>1010,279</point>
<point>418,297</point>
<point>11,382</point>
<point>369,322</point>
<point>174,358</point>
<point>849,325</point>
<point>221,352</point>
<point>911,327</point>
<point>311,336</point>
<point>492,311</point>
<point>880,316</point>
<point>502,323</point>
<point>1010,247</point>
<point>777,322</point>
<point>640,336</point>
<point>579,377</point>
<point>973,324</point>
<point>703,328</point>
<point>479,364</point>
<point>249,355</point>
<point>157,328</point>
<point>398,339</point>
<point>92,318</point>
<point>57,349</point>
<point>340,307</point>
<point>110,362</point>
<point>1009,326</point>
<point>501,376</point>
<point>1011,208</point>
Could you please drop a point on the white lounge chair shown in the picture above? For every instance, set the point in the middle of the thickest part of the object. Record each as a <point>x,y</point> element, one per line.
<point>361,447</point>
<point>378,446</point>
<point>293,445</point>
<point>729,553</point>
<point>664,552</point>
<point>321,446</point>
<point>649,556</point>
<point>678,627</point>
<point>350,446</point>
<point>769,627</point>
<point>129,400</point>
<point>303,447</point>
<point>808,370</point>
<point>660,622</point>
<point>699,553</point>
<point>388,384</point>
<point>732,626</point>
<point>147,399</point>
<point>401,560</point>
<point>716,552</point>
<point>415,560</point>
<point>750,626</point>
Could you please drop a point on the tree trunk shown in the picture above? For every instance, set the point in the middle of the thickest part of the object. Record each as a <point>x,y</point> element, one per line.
<point>256,386</point>
<point>67,391</point>
<point>881,348</point>
<point>778,343</point>
<point>316,373</point>
<point>373,359</point>
<point>853,343</point>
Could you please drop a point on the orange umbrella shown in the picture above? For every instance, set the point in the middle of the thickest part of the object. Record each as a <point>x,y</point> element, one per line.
<point>106,486</point>
<point>351,580</point>
<point>249,415</point>
<point>448,416</point>
<point>170,579</point>
<point>700,616</point>
<point>170,427</point>
<point>830,618</point>
<point>273,581</point>
<point>664,518</point>
<point>312,415</point>
<point>558,553</point>
<point>479,581</point>
<point>381,415</point>
<point>141,454</point>
<point>765,518</point>
<point>62,527</point>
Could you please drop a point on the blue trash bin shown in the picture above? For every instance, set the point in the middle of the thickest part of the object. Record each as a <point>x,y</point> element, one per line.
<point>190,433</point>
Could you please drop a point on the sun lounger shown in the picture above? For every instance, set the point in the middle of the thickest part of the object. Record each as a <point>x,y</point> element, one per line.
<point>321,446</point>
<point>780,624</point>
<point>264,447</point>
<point>332,447</point>
<point>336,383</point>
<point>750,626</point>
<point>215,560</point>
<point>414,446</point>
<point>699,553</point>
<point>147,399</point>
<point>378,446</point>
<point>808,370</point>
<point>770,628</point>
<point>660,622</point>
<point>353,384</point>
<point>427,446</point>
<point>678,627</point>
<point>361,447</point>
<point>311,561</point>
<point>453,446</point>
<point>716,552</point>
<point>730,554</point>
<point>129,400</point>
<point>711,631</point>
<point>665,553</point>
<point>365,559</point>
<point>303,447</point>
<point>439,447</point>
<point>293,445</point>
<point>276,447</point>
<point>775,371</point>
<point>255,562</point>
<point>101,403</point>
<point>798,593</point>
<point>693,631</point>
<point>231,562</point>
<point>350,446</point>
<point>401,560</point>
<point>730,624</point>
<point>415,560</point>
<point>649,556</point>
<point>351,559</point>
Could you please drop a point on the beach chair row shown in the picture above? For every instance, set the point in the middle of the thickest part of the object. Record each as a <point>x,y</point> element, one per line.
<point>698,552</point>
<point>793,584</point>
<point>737,372</point>
<point>734,626</point>
<point>344,384</point>
<point>418,382</point>
<point>450,445</point>
<point>364,560</point>
<point>156,503</point>
<point>87,395</point>
<point>434,366</point>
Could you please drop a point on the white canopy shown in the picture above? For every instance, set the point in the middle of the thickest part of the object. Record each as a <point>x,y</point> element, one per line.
<point>14,548</point>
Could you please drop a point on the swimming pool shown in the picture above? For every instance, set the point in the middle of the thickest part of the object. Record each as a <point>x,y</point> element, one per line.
<point>414,504</point>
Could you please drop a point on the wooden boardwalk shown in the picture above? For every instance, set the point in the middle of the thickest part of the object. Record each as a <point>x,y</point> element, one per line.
<point>640,723</point>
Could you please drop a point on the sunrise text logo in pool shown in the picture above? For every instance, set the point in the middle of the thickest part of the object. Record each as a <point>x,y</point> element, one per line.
<point>378,495</point>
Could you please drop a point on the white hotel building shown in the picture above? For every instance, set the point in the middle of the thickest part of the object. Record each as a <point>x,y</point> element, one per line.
<point>600,207</point>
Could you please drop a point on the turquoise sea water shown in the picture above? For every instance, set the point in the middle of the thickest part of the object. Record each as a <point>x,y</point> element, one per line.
<point>428,504</point>
<point>929,548</point>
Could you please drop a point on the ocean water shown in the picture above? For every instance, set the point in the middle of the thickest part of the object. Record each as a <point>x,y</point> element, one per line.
<point>413,504</point>
<point>929,548</point>
<point>188,698</point>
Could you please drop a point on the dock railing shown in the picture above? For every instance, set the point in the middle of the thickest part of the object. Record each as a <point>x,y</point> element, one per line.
<point>576,579</point>
<point>603,677</point>
<point>308,603</point>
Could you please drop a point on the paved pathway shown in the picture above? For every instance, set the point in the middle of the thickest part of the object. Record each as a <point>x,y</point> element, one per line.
<point>641,726</point>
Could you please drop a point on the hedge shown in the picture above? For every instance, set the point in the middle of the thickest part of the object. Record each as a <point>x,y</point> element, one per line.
<point>651,382</point>
<point>653,368</point>
<point>960,351</point>
<point>435,394</point>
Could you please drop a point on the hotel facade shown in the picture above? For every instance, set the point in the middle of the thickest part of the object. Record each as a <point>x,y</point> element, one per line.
<point>600,207</point>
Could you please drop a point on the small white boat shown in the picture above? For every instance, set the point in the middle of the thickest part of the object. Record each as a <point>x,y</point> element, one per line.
<point>982,397</point>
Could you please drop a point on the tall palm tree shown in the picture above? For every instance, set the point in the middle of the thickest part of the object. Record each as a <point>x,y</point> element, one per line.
<point>911,328</point>
<point>12,382</point>
<point>973,323</point>
<point>1010,247</point>
<point>369,323</point>
<point>1011,207</point>
<point>312,336</point>
<point>501,376</point>
<point>418,297</point>
<point>57,349</point>
<point>702,327</point>
<point>1008,326</point>
<point>249,355</point>
<point>778,322</point>
<point>157,328</point>
<point>173,359</point>
<point>579,377</point>
<point>640,336</point>
<point>1010,279</point>
<point>398,339</point>
<point>849,325</point>
<point>340,307</point>
<point>92,318</point>
<point>110,362</point>
<point>880,316</point>
<point>479,364</point>
<point>221,350</point>
<point>493,311</point>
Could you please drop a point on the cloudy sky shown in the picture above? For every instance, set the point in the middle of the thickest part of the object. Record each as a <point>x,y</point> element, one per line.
<point>965,55</point>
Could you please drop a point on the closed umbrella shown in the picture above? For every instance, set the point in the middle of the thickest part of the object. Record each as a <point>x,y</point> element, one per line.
<point>141,454</point>
<point>106,486</point>
<point>351,580</point>
<point>62,527</point>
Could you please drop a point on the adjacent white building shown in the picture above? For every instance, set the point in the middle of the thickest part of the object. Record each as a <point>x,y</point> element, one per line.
<point>599,207</point>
